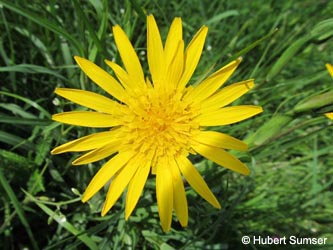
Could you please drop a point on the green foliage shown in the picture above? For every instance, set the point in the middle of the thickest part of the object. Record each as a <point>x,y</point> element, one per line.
<point>284,45</point>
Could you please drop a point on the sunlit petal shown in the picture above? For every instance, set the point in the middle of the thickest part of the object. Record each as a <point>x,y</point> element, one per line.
<point>128,54</point>
<point>155,50</point>
<point>221,157</point>
<point>89,100</point>
<point>179,196</point>
<point>119,183</point>
<point>192,55</point>
<point>330,69</point>
<point>85,143</point>
<point>175,36</point>
<point>214,82</point>
<point>329,115</point>
<point>87,119</point>
<point>135,188</point>
<point>106,173</point>
<point>99,153</point>
<point>164,195</point>
<point>228,115</point>
<point>101,78</point>
<point>220,140</point>
<point>175,68</point>
<point>226,95</point>
<point>193,177</point>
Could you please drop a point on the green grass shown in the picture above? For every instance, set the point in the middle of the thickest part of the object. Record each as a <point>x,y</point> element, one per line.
<point>284,45</point>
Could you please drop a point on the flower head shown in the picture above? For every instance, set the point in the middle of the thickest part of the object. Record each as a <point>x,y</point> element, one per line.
<point>154,124</point>
<point>330,70</point>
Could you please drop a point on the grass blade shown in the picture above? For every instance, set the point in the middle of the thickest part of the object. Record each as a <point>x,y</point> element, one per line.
<point>252,46</point>
<point>18,208</point>
<point>64,223</point>
<point>28,101</point>
<point>16,141</point>
<point>31,69</point>
<point>24,121</point>
<point>43,22</point>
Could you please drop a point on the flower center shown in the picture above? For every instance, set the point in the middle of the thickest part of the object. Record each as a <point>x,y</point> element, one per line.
<point>160,124</point>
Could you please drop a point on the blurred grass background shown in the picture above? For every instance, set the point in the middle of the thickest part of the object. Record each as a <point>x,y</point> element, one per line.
<point>289,191</point>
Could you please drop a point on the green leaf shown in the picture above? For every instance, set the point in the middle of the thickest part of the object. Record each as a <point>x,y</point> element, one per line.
<point>18,208</point>
<point>62,221</point>
<point>31,69</point>
<point>36,182</point>
<point>289,53</point>
<point>16,141</point>
<point>27,101</point>
<point>217,18</point>
<point>24,121</point>
<point>43,149</point>
<point>268,130</point>
<point>252,46</point>
<point>56,28</point>
<point>14,162</point>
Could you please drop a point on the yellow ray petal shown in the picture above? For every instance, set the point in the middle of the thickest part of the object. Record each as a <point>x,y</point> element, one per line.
<point>222,158</point>
<point>179,195</point>
<point>121,74</point>
<point>220,140</point>
<point>175,36</point>
<point>192,55</point>
<point>87,119</point>
<point>175,67</point>
<point>196,181</point>
<point>89,100</point>
<point>106,173</point>
<point>227,95</point>
<point>85,143</point>
<point>214,82</point>
<point>228,115</point>
<point>99,153</point>
<point>128,54</point>
<point>329,115</point>
<point>330,69</point>
<point>155,51</point>
<point>101,78</point>
<point>164,195</point>
<point>135,188</point>
<point>119,183</point>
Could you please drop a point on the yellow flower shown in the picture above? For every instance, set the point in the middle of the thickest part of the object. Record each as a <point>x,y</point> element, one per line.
<point>156,123</point>
<point>330,70</point>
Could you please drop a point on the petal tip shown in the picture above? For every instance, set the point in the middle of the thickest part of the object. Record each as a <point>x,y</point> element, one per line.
<point>246,172</point>
<point>54,117</point>
<point>329,67</point>
<point>56,90</point>
<point>76,162</point>
<point>204,29</point>
<point>165,228</point>
<point>150,19</point>
<point>54,151</point>
<point>85,197</point>
<point>116,28</point>
<point>260,109</point>
<point>105,210</point>
<point>250,84</point>
<point>78,59</point>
